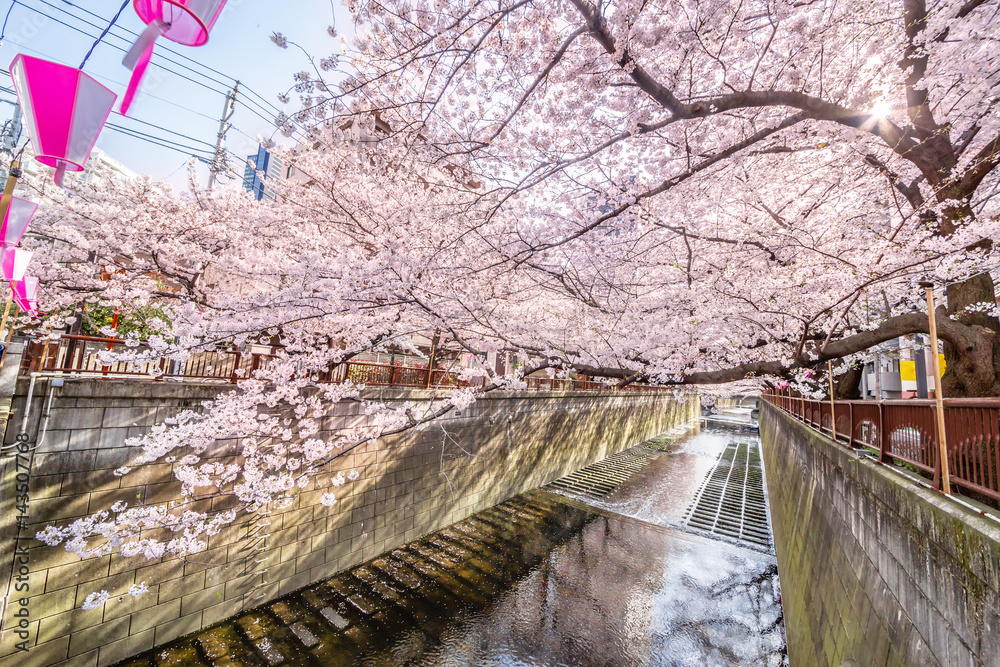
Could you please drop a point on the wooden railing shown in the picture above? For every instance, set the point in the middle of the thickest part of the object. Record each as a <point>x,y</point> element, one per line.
<point>906,432</point>
<point>82,356</point>
<point>391,375</point>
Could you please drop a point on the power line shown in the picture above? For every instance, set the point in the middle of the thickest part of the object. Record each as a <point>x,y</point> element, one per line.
<point>163,129</point>
<point>261,103</point>
<point>127,40</point>
<point>230,80</point>
<point>261,98</point>
<point>257,105</point>
<point>103,34</point>
<point>163,143</point>
<point>162,48</point>
<point>119,48</point>
<point>6,18</point>
<point>226,84</point>
<point>143,136</point>
<point>155,97</point>
<point>11,91</point>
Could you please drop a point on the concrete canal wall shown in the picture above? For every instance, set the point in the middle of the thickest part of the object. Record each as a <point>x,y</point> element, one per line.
<point>409,486</point>
<point>874,568</point>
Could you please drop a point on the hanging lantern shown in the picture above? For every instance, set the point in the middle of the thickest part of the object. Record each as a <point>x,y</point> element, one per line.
<point>64,111</point>
<point>186,22</point>
<point>15,263</point>
<point>16,221</point>
<point>26,293</point>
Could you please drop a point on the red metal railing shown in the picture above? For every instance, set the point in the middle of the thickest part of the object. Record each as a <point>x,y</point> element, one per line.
<point>84,356</point>
<point>906,432</point>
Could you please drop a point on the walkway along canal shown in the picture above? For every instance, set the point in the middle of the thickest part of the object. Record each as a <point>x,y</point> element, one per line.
<point>660,555</point>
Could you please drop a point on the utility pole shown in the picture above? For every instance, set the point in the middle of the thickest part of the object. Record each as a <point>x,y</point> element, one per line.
<point>878,375</point>
<point>8,141</point>
<point>8,195</point>
<point>13,132</point>
<point>219,160</point>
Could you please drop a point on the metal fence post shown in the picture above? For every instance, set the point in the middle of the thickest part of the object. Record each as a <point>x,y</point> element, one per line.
<point>883,436</point>
<point>850,434</point>
<point>236,367</point>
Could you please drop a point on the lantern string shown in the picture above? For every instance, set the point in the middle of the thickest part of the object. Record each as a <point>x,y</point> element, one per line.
<point>105,33</point>
<point>5,19</point>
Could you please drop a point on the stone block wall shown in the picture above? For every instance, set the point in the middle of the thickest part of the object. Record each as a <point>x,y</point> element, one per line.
<point>410,485</point>
<point>876,569</point>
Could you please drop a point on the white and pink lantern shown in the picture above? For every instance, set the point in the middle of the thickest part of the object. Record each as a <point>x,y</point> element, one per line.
<point>16,221</point>
<point>15,263</point>
<point>64,111</point>
<point>26,294</point>
<point>187,22</point>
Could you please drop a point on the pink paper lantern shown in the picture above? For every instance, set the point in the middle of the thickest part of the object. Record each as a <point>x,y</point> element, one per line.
<point>15,263</point>
<point>16,221</point>
<point>186,22</point>
<point>64,111</point>
<point>26,293</point>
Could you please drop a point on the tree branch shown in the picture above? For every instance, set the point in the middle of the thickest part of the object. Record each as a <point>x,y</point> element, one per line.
<point>949,330</point>
<point>813,107</point>
<point>985,161</point>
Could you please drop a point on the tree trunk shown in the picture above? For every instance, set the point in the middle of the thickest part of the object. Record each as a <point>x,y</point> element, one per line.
<point>973,369</point>
<point>847,387</point>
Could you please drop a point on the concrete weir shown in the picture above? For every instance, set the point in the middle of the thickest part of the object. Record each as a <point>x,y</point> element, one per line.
<point>875,568</point>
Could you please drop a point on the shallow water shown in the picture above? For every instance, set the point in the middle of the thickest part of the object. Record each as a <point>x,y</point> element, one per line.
<point>622,592</point>
<point>539,580</point>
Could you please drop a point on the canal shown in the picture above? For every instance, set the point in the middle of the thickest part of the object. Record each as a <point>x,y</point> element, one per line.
<point>658,556</point>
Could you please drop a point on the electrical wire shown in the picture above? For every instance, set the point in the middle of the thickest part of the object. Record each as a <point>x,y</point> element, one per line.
<point>211,146</point>
<point>163,129</point>
<point>150,137</point>
<point>255,107</point>
<point>104,34</point>
<point>135,34</point>
<point>126,39</point>
<point>155,97</point>
<point>254,102</point>
<point>122,49</point>
<point>262,103</point>
<point>5,19</point>
<point>261,98</point>
<point>162,143</point>
<point>229,80</point>
<point>154,140</point>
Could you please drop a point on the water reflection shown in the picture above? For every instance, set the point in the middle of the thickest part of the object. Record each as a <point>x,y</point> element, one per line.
<point>621,592</point>
<point>538,580</point>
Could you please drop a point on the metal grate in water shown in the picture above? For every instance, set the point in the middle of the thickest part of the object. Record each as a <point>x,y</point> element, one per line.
<point>731,501</point>
<point>600,479</point>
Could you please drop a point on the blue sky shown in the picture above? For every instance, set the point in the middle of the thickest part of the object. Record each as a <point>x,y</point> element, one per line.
<point>240,48</point>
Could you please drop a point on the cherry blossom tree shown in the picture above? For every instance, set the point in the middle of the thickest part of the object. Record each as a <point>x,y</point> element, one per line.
<point>680,193</point>
<point>344,265</point>
<point>714,188</point>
